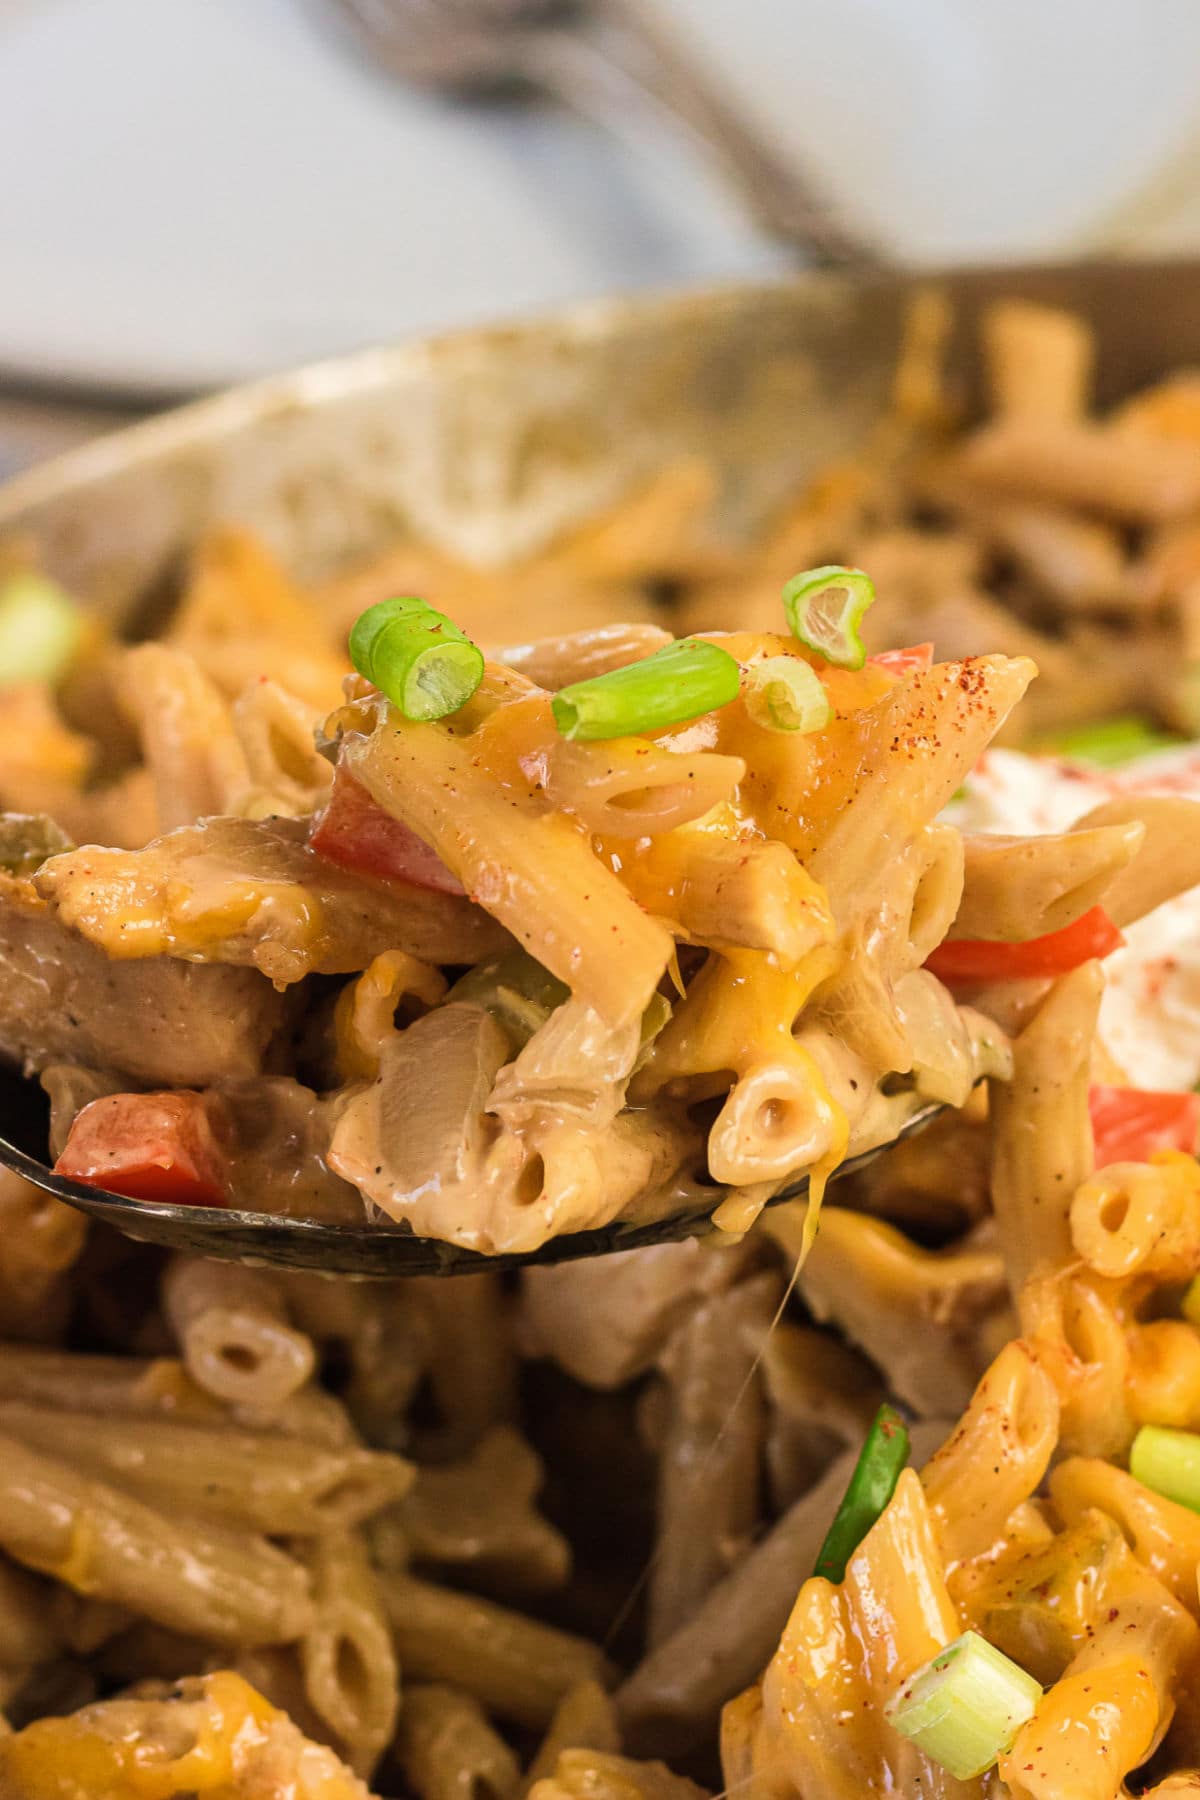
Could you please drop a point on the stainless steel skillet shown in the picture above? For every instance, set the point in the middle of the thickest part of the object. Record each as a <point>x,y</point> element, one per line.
<point>489,443</point>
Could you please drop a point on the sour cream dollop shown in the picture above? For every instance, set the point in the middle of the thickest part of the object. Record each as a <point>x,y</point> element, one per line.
<point>1150,1014</point>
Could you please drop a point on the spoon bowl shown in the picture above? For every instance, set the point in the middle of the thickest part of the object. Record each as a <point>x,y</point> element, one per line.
<point>380,1249</point>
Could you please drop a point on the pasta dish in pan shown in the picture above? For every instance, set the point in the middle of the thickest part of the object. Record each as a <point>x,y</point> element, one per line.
<point>311,905</point>
<point>576,1069</point>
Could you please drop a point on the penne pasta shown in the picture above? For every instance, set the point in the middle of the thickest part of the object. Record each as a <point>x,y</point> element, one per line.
<point>579,655</point>
<point>478,1517</point>
<point>1141,481</point>
<point>1166,862</point>
<point>448,1751</point>
<point>216,1584</point>
<point>142,1388</point>
<point>632,788</point>
<point>821,1396</point>
<point>1110,1708</point>
<point>583,1720</point>
<point>233,1333</point>
<point>285,771</point>
<point>1020,888</point>
<point>188,741</point>
<point>996,1458</point>
<point>1077,564</point>
<point>1133,1218</point>
<point>346,1654</point>
<point>274,1485</point>
<point>917,1309</point>
<point>513,1665</point>
<point>969,702</point>
<point>1039,361</point>
<point>1164,1536</point>
<point>1042,1144</point>
<point>676,1693</point>
<point>240,614</point>
<point>532,871</point>
<point>844,1651</point>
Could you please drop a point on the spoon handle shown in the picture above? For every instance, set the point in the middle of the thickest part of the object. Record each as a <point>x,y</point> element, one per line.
<point>625,70</point>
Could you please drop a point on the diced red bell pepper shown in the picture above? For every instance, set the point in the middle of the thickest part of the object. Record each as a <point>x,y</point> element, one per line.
<point>147,1147</point>
<point>916,659</point>
<point>1129,1124</point>
<point>961,960</point>
<point>357,834</point>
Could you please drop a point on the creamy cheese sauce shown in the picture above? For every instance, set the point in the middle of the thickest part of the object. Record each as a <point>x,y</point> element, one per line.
<point>1150,1015</point>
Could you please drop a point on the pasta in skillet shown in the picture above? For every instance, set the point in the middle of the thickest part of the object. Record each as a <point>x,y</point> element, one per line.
<point>573,1075</point>
<point>910,1504</point>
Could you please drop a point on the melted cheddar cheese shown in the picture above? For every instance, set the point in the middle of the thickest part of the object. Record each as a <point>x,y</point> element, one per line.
<point>215,1739</point>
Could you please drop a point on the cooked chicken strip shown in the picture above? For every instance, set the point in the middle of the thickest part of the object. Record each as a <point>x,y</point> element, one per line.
<point>250,891</point>
<point>172,1024</point>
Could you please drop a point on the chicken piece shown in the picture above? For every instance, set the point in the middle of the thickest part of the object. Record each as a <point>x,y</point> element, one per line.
<point>608,1320</point>
<point>160,1022</point>
<point>252,892</point>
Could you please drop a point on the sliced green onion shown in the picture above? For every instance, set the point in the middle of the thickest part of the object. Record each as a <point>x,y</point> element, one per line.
<point>655,1019</point>
<point>1191,1300</point>
<point>1109,742</point>
<point>679,682</point>
<point>785,694</point>
<point>871,1486</point>
<point>40,629</point>
<point>419,658</point>
<point>27,839</point>
<point>825,608</point>
<point>1169,1462</point>
<point>519,992</point>
<point>965,1706</point>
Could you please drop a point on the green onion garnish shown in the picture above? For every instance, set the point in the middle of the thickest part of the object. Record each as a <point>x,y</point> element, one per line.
<point>655,1020</point>
<point>419,658</point>
<point>965,1706</point>
<point>516,989</point>
<point>679,682</point>
<point>825,608</point>
<point>784,694</point>
<point>1168,1461</point>
<point>40,629</point>
<point>27,839</point>
<point>1109,742</point>
<point>871,1486</point>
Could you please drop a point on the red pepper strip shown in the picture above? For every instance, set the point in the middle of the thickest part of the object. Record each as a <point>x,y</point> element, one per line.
<point>918,657</point>
<point>980,959</point>
<point>1129,1124</point>
<point>357,834</point>
<point>147,1147</point>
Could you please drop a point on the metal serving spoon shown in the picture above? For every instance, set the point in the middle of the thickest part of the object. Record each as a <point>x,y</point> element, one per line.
<point>613,62</point>
<point>380,1249</point>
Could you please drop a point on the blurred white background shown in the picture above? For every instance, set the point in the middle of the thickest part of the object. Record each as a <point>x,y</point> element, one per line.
<point>192,191</point>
